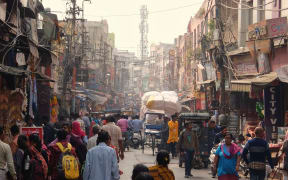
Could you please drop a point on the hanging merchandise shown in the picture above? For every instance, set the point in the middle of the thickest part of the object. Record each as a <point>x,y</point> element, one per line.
<point>54,109</point>
<point>17,101</point>
<point>260,109</point>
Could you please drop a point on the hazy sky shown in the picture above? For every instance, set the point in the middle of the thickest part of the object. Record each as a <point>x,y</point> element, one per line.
<point>164,26</point>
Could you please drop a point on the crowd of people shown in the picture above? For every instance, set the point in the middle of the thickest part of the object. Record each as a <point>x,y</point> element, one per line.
<point>90,148</point>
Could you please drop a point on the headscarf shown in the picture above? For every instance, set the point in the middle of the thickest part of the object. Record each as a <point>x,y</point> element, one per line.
<point>39,156</point>
<point>76,129</point>
<point>234,149</point>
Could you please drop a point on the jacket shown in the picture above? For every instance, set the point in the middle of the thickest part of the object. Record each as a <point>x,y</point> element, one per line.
<point>188,141</point>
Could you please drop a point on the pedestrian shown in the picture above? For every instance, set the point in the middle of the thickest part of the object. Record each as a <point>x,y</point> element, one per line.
<point>101,161</point>
<point>66,126</point>
<point>56,154</point>
<point>15,131</point>
<point>144,176</point>
<point>49,130</point>
<point>213,129</point>
<point>139,168</point>
<point>86,121</point>
<point>137,124</point>
<point>123,124</point>
<point>227,160</point>
<point>173,135</point>
<point>81,122</point>
<point>38,165</point>
<point>115,134</point>
<point>6,158</point>
<point>188,145</point>
<point>161,170</point>
<point>92,142</point>
<point>96,120</point>
<point>20,156</point>
<point>284,152</point>
<point>259,152</point>
<point>164,133</point>
<point>77,141</point>
<point>221,135</point>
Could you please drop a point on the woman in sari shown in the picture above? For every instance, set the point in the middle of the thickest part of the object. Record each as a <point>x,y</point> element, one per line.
<point>227,160</point>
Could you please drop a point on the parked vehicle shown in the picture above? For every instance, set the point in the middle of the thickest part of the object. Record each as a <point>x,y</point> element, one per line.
<point>199,120</point>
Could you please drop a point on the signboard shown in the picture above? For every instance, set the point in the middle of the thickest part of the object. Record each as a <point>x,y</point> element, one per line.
<point>268,29</point>
<point>244,64</point>
<point>29,130</point>
<point>257,31</point>
<point>273,112</point>
<point>277,27</point>
<point>82,75</point>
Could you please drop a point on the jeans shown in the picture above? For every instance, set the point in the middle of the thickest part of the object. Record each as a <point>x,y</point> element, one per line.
<point>254,176</point>
<point>189,155</point>
<point>172,148</point>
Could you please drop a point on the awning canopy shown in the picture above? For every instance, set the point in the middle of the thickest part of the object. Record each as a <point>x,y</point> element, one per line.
<point>245,85</point>
<point>205,82</point>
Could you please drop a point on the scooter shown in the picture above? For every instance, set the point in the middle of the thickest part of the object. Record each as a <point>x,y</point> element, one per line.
<point>131,140</point>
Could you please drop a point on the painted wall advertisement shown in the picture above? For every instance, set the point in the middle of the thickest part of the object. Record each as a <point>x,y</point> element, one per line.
<point>273,112</point>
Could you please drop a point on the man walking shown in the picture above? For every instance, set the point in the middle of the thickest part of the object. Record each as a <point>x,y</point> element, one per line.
<point>6,158</point>
<point>115,134</point>
<point>188,145</point>
<point>164,133</point>
<point>93,140</point>
<point>101,161</point>
<point>258,150</point>
<point>173,135</point>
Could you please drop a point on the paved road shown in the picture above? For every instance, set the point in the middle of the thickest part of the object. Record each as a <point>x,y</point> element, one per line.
<point>135,156</point>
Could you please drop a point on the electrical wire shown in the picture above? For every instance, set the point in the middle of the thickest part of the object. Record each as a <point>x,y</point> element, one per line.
<point>251,7</point>
<point>255,8</point>
<point>137,14</point>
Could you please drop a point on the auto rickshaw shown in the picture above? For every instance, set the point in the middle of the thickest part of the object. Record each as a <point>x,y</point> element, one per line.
<point>198,120</point>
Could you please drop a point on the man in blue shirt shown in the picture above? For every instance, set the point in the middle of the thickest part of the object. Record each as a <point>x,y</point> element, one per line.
<point>137,124</point>
<point>258,150</point>
<point>101,161</point>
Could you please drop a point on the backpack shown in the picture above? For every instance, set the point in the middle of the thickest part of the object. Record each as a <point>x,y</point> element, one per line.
<point>68,165</point>
<point>37,171</point>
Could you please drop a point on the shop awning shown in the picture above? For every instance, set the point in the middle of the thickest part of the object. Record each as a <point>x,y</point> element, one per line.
<point>245,85</point>
<point>95,98</point>
<point>205,82</point>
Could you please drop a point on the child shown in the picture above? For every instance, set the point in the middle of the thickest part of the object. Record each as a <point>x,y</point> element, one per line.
<point>117,154</point>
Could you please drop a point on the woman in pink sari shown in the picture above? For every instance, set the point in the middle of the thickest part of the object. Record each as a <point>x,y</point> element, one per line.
<point>227,159</point>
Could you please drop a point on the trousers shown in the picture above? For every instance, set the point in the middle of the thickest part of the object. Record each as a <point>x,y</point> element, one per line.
<point>189,156</point>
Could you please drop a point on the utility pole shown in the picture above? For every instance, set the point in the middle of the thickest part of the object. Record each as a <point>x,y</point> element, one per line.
<point>71,52</point>
<point>220,57</point>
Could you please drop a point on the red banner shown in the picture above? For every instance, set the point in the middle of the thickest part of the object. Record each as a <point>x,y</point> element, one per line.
<point>29,130</point>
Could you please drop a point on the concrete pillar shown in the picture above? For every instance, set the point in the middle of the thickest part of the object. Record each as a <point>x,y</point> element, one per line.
<point>257,13</point>
<point>243,22</point>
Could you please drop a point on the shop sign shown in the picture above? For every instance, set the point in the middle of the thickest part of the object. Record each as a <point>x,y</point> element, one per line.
<point>29,130</point>
<point>273,112</point>
<point>257,31</point>
<point>268,29</point>
<point>276,27</point>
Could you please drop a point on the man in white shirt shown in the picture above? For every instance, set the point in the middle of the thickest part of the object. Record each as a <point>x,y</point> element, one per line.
<point>6,158</point>
<point>115,134</point>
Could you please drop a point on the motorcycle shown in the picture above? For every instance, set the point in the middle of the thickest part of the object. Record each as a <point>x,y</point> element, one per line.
<point>132,140</point>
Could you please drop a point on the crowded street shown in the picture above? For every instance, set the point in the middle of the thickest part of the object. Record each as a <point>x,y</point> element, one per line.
<point>143,89</point>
